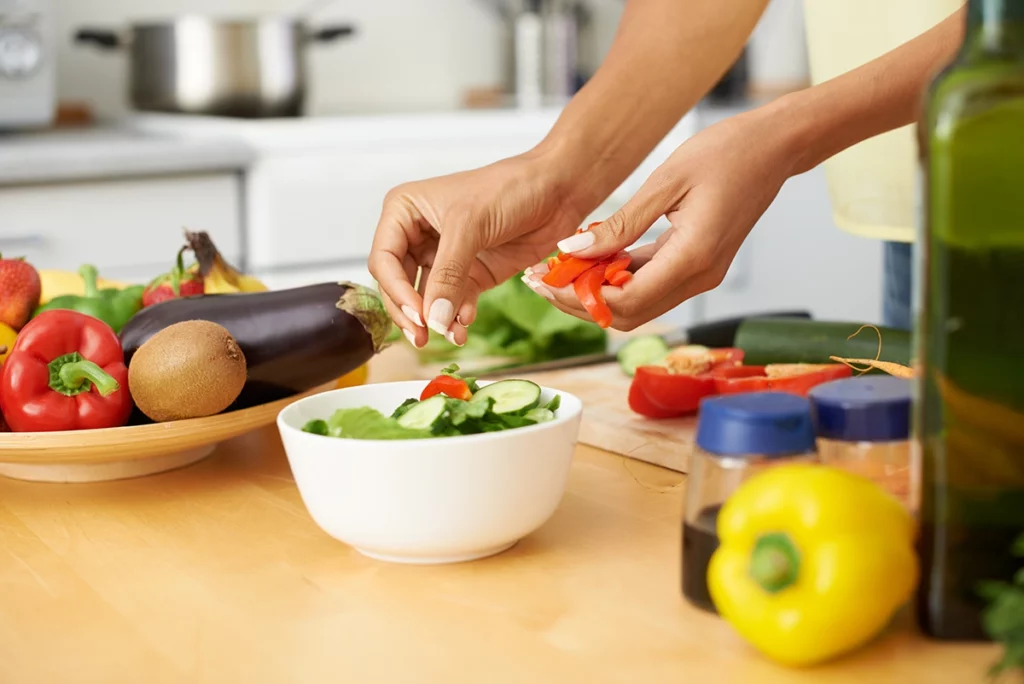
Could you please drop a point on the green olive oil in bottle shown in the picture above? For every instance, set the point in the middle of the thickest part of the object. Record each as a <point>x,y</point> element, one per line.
<point>969,416</point>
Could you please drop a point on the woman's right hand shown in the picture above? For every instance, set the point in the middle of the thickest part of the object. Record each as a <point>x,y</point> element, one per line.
<point>468,231</point>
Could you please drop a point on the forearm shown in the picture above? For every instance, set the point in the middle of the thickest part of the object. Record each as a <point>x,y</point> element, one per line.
<point>666,55</point>
<point>880,96</point>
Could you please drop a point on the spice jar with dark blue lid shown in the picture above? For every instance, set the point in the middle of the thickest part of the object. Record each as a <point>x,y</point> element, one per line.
<point>738,435</point>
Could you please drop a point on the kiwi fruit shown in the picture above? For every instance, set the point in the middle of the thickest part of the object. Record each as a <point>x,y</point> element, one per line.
<point>190,369</point>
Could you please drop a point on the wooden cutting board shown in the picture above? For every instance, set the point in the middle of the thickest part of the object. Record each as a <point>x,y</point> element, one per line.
<point>609,424</point>
<point>607,421</point>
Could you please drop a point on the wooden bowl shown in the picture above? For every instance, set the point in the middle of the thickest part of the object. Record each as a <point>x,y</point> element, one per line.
<point>133,451</point>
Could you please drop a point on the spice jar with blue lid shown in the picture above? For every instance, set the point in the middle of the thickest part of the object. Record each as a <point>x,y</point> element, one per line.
<point>738,435</point>
<point>863,425</point>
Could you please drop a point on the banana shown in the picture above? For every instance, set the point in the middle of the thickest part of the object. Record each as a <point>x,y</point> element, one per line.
<point>57,283</point>
<point>219,277</point>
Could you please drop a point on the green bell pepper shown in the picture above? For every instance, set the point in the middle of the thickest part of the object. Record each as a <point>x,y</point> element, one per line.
<point>112,306</point>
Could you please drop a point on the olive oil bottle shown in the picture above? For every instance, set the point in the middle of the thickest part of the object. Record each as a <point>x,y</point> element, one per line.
<point>969,421</point>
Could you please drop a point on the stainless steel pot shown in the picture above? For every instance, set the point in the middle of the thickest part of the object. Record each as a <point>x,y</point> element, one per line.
<point>251,68</point>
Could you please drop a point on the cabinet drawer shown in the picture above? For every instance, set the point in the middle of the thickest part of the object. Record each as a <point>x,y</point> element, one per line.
<point>128,229</point>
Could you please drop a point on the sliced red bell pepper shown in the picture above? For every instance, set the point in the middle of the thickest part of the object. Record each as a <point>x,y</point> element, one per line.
<point>588,291</point>
<point>617,265</point>
<point>562,256</point>
<point>563,273</point>
<point>791,378</point>
<point>454,387</point>
<point>65,372</point>
<point>726,356</point>
<point>657,393</point>
<point>619,279</point>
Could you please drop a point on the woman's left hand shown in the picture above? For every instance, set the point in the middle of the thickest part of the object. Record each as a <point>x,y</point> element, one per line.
<point>713,189</point>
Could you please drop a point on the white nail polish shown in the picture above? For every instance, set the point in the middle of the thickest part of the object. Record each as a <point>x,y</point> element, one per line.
<point>413,315</point>
<point>441,315</point>
<point>540,269</point>
<point>412,338</point>
<point>577,242</point>
<point>539,288</point>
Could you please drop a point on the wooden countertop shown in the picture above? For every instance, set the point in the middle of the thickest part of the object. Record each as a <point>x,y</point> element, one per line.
<point>216,574</point>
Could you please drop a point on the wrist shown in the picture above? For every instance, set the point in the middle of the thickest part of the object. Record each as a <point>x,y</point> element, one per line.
<point>575,172</point>
<point>799,127</point>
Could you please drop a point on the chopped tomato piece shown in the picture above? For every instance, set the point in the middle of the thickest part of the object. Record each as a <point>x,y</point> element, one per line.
<point>588,291</point>
<point>619,279</point>
<point>563,273</point>
<point>657,393</point>
<point>456,388</point>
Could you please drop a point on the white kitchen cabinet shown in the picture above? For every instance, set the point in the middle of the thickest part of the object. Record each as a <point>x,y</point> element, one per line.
<point>130,229</point>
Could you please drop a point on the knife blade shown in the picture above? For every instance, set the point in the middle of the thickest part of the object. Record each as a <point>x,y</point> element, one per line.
<point>719,333</point>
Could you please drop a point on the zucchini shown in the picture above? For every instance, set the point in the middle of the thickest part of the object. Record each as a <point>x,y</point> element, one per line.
<point>641,351</point>
<point>797,340</point>
<point>293,340</point>
<point>428,414</point>
<point>510,396</point>
<point>540,415</point>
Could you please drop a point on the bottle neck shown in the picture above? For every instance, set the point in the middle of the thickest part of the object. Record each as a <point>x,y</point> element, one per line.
<point>995,30</point>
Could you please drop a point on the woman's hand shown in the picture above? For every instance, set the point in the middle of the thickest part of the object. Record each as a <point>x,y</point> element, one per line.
<point>713,189</point>
<point>468,232</point>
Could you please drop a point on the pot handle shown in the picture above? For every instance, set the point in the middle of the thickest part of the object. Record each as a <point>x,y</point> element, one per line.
<point>330,33</point>
<point>101,37</point>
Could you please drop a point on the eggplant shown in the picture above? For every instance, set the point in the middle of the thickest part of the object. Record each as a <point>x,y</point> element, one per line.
<point>293,340</point>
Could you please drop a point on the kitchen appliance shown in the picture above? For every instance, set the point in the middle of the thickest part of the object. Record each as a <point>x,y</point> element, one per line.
<point>28,91</point>
<point>245,68</point>
<point>719,333</point>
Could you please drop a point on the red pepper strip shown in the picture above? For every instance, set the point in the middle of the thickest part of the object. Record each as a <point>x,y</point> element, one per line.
<point>657,393</point>
<point>562,256</point>
<point>65,372</point>
<point>758,379</point>
<point>455,388</point>
<point>565,272</point>
<point>595,223</point>
<point>619,279</point>
<point>552,262</point>
<point>617,265</point>
<point>588,291</point>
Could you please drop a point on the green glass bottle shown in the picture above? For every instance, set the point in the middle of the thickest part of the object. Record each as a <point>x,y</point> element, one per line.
<point>969,420</point>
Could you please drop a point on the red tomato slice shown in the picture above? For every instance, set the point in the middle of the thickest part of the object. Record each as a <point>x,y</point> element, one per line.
<point>446,384</point>
<point>671,394</point>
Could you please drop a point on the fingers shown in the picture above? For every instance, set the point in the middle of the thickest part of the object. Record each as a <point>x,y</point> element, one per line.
<point>389,265</point>
<point>449,279</point>
<point>653,200</point>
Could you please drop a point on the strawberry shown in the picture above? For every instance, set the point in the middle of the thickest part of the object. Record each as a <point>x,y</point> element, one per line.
<point>177,282</point>
<point>20,289</point>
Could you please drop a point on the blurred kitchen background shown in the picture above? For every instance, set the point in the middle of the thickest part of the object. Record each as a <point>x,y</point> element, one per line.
<point>289,184</point>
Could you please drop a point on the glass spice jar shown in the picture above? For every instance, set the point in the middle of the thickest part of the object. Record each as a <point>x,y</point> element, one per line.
<point>863,426</point>
<point>738,436</point>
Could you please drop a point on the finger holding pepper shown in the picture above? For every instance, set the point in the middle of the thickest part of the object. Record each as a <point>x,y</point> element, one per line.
<point>65,372</point>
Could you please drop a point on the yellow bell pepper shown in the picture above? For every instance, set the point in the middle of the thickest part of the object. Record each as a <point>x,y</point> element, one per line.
<point>354,378</point>
<point>8,336</point>
<point>812,562</point>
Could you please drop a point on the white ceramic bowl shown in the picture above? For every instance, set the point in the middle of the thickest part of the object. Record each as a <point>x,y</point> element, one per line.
<point>438,500</point>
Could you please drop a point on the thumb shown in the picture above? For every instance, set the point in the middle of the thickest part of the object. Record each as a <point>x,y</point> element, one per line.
<point>652,201</point>
<point>448,279</point>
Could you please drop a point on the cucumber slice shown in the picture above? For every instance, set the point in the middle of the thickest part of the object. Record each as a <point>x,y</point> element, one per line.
<point>425,415</point>
<point>510,396</point>
<point>539,415</point>
<point>641,351</point>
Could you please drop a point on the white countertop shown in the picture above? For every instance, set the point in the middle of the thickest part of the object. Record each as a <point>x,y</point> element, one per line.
<point>109,151</point>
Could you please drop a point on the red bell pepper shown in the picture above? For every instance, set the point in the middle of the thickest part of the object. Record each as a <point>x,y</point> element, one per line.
<point>563,273</point>
<point>449,385</point>
<point>620,278</point>
<point>617,265</point>
<point>588,291</point>
<point>796,378</point>
<point>65,372</point>
<point>658,393</point>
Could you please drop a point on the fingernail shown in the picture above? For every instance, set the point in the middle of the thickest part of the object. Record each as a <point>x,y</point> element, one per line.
<point>539,269</point>
<point>539,288</point>
<point>577,242</point>
<point>412,338</point>
<point>450,336</point>
<point>413,315</point>
<point>441,315</point>
<point>458,319</point>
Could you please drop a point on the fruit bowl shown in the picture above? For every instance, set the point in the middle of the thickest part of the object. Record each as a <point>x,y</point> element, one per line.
<point>131,451</point>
